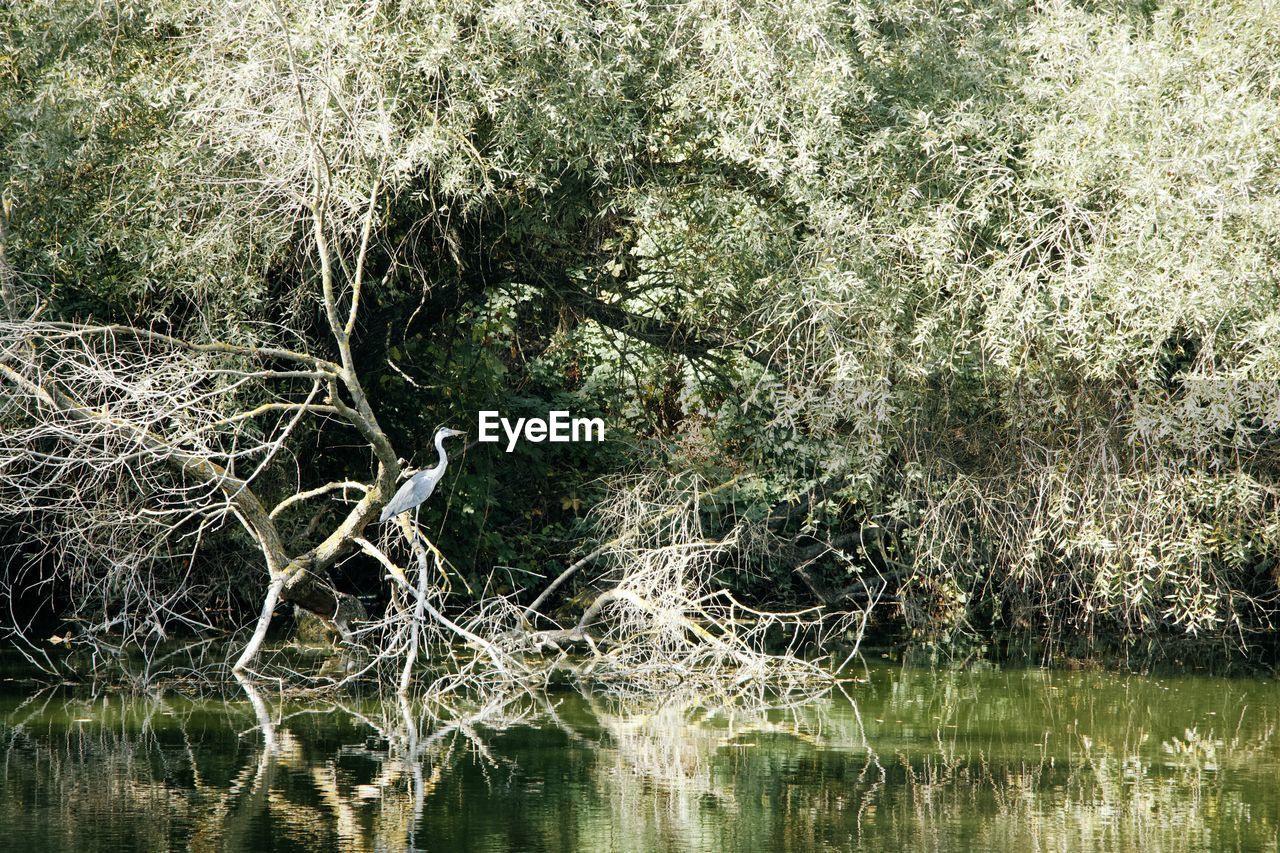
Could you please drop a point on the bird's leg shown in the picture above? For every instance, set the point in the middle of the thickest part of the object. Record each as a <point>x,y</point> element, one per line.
<point>440,563</point>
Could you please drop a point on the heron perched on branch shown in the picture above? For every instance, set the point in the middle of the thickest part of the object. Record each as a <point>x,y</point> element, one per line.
<point>420,486</point>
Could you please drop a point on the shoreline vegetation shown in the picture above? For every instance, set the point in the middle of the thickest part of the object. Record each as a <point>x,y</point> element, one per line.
<point>935,322</point>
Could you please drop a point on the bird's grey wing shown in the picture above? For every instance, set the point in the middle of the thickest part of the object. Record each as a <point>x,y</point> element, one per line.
<point>425,486</point>
<point>415,490</point>
<point>401,501</point>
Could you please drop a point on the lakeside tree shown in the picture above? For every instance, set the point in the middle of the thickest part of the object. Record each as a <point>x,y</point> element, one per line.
<point>973,306</point>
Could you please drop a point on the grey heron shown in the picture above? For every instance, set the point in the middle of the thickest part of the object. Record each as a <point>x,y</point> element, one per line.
<point>420,486</point>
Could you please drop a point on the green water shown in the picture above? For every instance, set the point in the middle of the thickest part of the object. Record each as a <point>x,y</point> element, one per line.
<point>981,758</point>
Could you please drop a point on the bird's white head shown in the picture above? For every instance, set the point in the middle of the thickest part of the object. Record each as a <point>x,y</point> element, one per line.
<point>446,432</point>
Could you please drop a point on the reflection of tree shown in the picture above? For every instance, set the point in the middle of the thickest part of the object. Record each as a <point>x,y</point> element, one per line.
<point>137,770</point>
<point>913,760</point>
<point>324,802</point>
<point>1114,768</point>
<point>671,767</point>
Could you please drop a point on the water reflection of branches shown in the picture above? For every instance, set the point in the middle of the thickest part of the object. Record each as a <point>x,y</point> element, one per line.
<point>879,769</point>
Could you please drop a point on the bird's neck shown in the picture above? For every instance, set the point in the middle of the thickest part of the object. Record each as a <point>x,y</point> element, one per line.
<point>441,459</point>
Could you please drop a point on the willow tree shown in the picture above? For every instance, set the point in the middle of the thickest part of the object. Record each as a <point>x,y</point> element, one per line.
<point>242,147</point>
<point>966,278</point>
<point>123,442</point>
<point>189,426</point>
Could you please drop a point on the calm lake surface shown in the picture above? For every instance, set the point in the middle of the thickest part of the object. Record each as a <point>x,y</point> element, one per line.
<point>979,758</point>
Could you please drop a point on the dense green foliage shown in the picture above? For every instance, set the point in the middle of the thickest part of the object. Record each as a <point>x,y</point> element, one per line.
<point>999,278</point>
